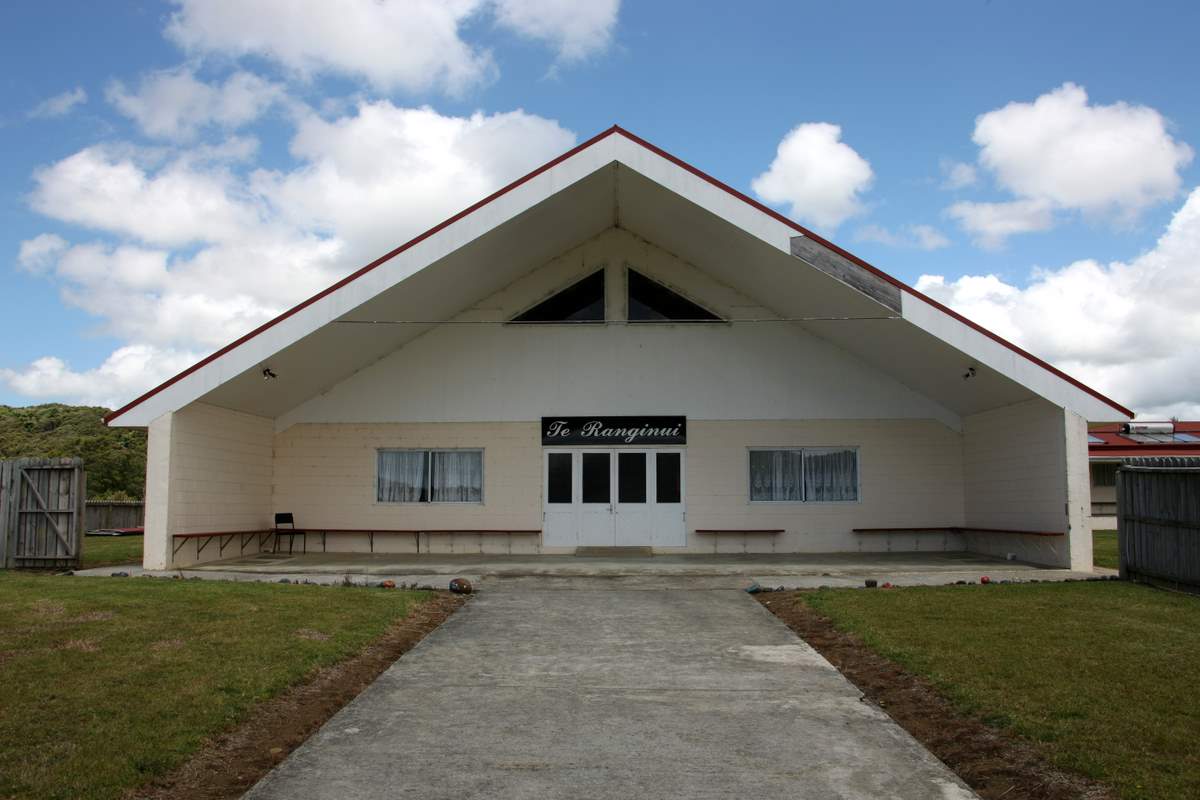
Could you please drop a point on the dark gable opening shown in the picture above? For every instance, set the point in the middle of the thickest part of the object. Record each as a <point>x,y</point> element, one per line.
<point>650,301</point>
<point>580,302</point>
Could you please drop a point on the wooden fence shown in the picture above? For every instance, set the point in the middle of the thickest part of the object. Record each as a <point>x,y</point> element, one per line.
<point>41,512</point>
<point>1158,521</point>
<point>114,514</point>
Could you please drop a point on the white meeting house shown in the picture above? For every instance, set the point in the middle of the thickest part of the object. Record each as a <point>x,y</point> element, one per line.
<point>618,350</point>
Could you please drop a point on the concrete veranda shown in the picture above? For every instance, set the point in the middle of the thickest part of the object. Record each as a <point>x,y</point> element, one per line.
<point>790,571</point>
<point>602,691</point>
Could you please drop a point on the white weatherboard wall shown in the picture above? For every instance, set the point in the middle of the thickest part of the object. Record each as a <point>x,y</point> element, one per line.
<point>1026,469</point>
<point>911,474</point>
<point>1108,496</point>
<point>209,470</point>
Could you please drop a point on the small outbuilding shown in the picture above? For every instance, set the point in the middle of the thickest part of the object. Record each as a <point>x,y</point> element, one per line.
<point>1113,444</point>
<point>618,350</point>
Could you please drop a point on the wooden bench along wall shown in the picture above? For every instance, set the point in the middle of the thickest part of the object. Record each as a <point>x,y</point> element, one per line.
<point>956,529</point>
<point>716,533</point>
<point>225,538</point>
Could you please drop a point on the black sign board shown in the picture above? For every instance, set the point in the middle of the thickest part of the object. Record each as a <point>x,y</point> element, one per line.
<point>614,430</point>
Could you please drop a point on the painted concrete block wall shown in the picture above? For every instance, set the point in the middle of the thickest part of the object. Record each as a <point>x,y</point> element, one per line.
<point>219,465</point>
<point>911,474</point>
<point>156,547</point>
<point>1079,496</point>
<point>325,474</point>
<point>1026,469</point>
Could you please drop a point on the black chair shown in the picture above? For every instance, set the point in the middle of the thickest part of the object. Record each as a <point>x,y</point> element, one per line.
<point>286,518</point>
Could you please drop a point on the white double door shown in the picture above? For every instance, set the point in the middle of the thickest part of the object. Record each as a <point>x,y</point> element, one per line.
<point>613,498</point>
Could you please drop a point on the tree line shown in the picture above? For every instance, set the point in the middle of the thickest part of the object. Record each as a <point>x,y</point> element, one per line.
<point>114,458</point>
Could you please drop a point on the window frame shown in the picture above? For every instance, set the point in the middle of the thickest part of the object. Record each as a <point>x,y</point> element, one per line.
<point>429,451</point>
<point>858,493</point>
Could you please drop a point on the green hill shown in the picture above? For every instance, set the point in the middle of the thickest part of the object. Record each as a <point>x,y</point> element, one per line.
<point>115,458</point>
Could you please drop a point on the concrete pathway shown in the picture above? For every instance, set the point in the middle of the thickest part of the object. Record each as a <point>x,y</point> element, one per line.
<point>593,689</point>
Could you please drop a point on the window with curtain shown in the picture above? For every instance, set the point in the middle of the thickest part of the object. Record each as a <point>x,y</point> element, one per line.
<point>815,475</point>
<point>430,476</point>
<point>830,475</point>
<point>776,476</point>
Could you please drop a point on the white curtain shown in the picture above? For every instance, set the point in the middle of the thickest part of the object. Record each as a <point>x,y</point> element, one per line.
<point>403,476</point>
<point>830,475</point>
<point>775,475</point>
<point>457,476</point>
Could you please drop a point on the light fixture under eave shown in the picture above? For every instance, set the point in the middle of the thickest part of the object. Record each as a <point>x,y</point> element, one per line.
<point>268,374</point>
<point>970,373</point>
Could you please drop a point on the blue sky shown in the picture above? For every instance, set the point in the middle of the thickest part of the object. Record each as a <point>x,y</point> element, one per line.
<point>111,113</point>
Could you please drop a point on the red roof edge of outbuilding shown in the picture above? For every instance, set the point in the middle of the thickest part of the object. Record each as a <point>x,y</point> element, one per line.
<point>616,130</point>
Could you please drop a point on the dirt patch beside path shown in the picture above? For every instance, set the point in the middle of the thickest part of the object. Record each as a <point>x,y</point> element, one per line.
<point>231,763</point>
<point>996,764</point>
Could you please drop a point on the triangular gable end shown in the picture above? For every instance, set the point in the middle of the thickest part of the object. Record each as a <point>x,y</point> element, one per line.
<point>651,179</point>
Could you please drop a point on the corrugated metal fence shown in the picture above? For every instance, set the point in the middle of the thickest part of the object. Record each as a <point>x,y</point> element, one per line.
<point>1158,521</point>
<point>113,514</point>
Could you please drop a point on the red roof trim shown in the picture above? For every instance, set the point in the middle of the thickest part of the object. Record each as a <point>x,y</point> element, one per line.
<point>1115,451</point>
<point>615,129</point>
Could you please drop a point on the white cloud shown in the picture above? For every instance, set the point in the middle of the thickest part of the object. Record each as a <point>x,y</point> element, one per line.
<point>1130,329</point>
<point>385,172</point>
<point>1095,158</point>
<point>118,190</point>
<point>195,301</point>
<point>990,224</point>
<point>60,105</point>
<point>413,45</point>
<point>817,174</point>
<point>928,237</point>
<point>1062,154</point>
<point>204,252</point>
<point>173,104</point>
<point>40,252</point>
<point>575,29</point>
<point>123,375</point>
<point>957,175</point>
<point>921,237</point>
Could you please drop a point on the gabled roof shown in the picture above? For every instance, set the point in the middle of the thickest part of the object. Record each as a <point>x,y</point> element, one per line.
<point>661,197</point>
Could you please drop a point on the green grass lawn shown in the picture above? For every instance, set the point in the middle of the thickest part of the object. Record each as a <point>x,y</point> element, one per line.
<point>1105,675</point>
<point>99,551</point>
<point>106,682</point>
<point>1104,549</point>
